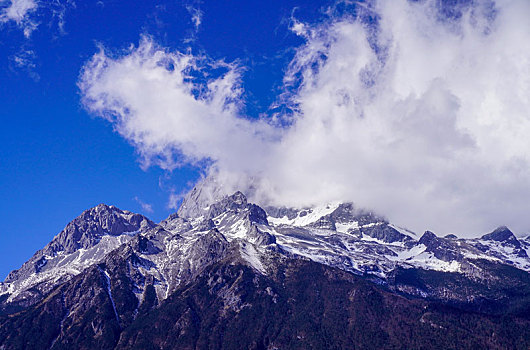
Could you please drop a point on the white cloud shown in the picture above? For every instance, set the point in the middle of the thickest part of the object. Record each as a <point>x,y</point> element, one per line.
<point>146,207</point>
<point>174,200</point>
<point>196,16</point>
<point>299,28</point>
<point>162,103</point>
<point>19,11</point>
<point>25,60</point>
<point>59,10</point>
<point>423,118</point>
<point>28,14</point>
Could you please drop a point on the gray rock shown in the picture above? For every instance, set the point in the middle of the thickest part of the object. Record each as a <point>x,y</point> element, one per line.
<point>442,248</point>
<point>385,233</point>
<point>506,238</point>
<point>280,212</point>
<point>501,234</point>
<point>176,224</point>
<point>87,229</point>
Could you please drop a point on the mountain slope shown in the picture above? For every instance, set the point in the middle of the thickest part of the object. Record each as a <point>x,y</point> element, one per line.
<point>231,306</point>
<point>225,273</point>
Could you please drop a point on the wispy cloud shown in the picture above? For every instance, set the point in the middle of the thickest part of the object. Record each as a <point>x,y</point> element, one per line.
<point>28,14</point>
<point>421,115</point>
<point>146,207</point>
<point>174,200</point>
<point>59,11</point>
<point>25,60</point>
<point>196,16</point>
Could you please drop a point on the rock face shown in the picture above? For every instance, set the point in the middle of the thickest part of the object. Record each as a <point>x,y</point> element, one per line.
<point>225,273</point>
<point>507,239</point>
<point>501,234</point>
<point>88,229</point>
<point>441,248</point>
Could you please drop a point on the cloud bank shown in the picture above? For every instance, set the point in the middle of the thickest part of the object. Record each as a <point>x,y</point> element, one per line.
<point>417,111</point>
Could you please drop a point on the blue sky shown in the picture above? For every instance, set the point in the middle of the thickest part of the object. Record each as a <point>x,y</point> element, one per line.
<point>57,160</point>
<point>417,110</point>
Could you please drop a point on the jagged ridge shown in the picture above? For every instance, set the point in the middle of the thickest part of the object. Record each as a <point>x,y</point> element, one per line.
<point>152,262</point>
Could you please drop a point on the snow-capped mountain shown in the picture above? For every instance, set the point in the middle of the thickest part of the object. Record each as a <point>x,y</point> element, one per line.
<point>83,242</point>
<point>151,263</point>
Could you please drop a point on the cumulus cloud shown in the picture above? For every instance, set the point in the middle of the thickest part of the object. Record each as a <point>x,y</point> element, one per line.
<point>421,114</point>
<point>171,107</point>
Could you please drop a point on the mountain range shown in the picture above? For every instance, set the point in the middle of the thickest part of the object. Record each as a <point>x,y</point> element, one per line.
<point>224,273</point>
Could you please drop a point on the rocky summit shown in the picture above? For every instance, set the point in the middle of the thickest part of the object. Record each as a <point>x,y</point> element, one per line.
<point>224,273</point>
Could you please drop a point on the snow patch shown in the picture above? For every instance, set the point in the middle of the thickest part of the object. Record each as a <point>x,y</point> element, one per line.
<point>305,216</point>
<point>345,227</point>
<point>251,255</point>
<point>107,278</point>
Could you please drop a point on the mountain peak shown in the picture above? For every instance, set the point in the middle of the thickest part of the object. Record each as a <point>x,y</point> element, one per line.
<point>430,240</point>
<point>88,228</point>
<point>233,202</point>
<point>84,232</point>
<point>197,202</point>
<point>103,206</point>
<point>500,234</point>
